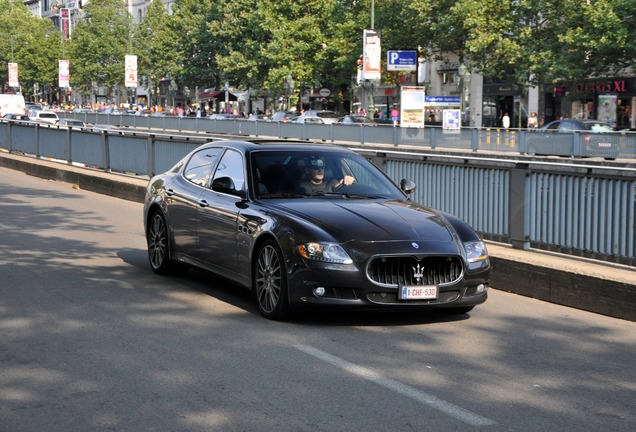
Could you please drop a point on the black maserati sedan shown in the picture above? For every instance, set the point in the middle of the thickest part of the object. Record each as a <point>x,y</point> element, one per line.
<point>310,225</point>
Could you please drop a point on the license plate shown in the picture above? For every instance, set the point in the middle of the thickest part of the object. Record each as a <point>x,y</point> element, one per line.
<point>428,292</point>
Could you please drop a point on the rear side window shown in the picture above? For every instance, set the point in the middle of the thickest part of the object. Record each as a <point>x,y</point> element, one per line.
<point>232,166</point>
<point>199,167</point>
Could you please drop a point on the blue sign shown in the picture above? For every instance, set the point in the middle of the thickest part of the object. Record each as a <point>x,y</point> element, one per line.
<point>442,100</point>
<point>401,61</point>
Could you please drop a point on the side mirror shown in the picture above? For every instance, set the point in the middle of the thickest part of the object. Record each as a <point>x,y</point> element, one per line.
<point>223,184</point>
<point>407,186</point>
<point>226,185</point>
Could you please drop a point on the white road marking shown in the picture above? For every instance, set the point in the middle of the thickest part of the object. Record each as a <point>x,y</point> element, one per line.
<point>398,387</point>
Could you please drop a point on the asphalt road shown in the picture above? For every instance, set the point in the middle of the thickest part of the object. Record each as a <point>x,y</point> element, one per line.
<point>92,340</point>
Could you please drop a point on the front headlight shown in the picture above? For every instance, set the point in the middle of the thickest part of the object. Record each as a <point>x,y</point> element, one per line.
<point>476,251</point>
<point>324,252</point>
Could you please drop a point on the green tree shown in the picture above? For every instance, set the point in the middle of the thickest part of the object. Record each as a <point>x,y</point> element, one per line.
<point>239,54</point>
<point>155,46</point>
<point>531,41</point>
<point>31,42</point>
<point>195,47</point>
<point>99,46</point>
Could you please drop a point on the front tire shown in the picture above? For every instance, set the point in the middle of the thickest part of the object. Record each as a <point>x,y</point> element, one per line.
<point>270,282</point>
<point>158,241</point>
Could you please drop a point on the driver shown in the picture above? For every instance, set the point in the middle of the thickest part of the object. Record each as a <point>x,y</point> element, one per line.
<point>314,178</point>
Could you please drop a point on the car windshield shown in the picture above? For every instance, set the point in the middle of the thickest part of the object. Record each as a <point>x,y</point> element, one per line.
<point>322,174</point>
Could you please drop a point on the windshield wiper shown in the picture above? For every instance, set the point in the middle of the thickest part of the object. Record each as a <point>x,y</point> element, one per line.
<point>352,196</point>
<point>282,195</point>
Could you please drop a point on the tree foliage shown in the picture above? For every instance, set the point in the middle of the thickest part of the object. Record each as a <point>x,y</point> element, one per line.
<point>34,44</point>
<point>257,44</point>
<point>155,46</point>
<point>99,46</point>
<point>532,41</point>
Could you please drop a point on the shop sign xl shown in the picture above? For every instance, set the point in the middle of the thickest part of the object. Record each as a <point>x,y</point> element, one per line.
<point>613,86</point>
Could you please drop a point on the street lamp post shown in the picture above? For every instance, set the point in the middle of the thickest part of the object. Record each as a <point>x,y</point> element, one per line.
<point>290,85</point>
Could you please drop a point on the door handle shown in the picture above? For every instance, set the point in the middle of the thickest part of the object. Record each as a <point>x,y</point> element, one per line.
<point>169,192</point>
<point>203,203</point>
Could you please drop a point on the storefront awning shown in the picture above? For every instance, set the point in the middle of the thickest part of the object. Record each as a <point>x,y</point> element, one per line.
<point>216,95</point>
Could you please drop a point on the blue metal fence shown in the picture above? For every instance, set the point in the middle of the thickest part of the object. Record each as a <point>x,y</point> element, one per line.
<point>587,210</point>
<point>519,141</point>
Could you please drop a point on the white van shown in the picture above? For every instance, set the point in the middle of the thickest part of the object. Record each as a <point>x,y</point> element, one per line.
<point>11,104</point>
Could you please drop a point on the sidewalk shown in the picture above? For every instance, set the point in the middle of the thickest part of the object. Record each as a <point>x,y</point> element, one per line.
<point>595,286</point>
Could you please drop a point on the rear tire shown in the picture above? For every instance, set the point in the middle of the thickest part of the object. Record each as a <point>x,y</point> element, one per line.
<point>270,282</point>
<point>158,241</point>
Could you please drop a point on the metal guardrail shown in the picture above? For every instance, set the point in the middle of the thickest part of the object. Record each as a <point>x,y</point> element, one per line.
<point>586,210</point>
<point>475,139</point>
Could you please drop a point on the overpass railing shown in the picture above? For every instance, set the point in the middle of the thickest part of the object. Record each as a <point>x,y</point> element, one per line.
<point>519,141</point>
<point>586,210</point>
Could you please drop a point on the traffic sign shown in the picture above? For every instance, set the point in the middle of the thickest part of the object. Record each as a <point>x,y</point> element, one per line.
<point>401,60</point>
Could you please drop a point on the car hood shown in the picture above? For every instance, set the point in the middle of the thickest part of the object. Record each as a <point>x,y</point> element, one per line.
<point>371,220</point>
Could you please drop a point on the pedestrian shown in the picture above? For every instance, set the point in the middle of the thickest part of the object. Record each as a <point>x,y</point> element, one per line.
<point>533,121</point>
<point>505,121</point>
<point>395,116</point>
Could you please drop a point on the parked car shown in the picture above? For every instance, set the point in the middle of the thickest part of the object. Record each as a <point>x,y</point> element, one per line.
<point>71,123</point>
<point>327,116</point>
<point>224,116</point>
<point>105,128</point>
<point>258,117</point>
<point>43,116</point>
<point>241,210</point>
<point>16,117</point>
<point>283,116</point>
<point>115,111</point>
<point>597,138</point>
<point>30,107</point>
<point>308,119</point>
<point>356,120</point>
<point>80,110</point>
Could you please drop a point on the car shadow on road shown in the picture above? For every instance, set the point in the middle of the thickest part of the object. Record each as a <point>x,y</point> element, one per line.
<point>375,318</point>
<point>237,296</point>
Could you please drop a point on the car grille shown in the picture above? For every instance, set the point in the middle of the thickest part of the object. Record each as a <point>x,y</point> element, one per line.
<point>415,270</point>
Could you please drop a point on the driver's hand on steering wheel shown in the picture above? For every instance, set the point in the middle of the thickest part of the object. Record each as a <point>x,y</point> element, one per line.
<point>346,181</point>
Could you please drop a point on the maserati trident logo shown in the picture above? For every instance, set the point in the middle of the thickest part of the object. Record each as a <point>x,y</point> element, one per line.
<point>418,273</point>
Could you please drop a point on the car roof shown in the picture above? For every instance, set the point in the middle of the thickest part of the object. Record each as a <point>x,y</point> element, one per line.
<point>268,144</point>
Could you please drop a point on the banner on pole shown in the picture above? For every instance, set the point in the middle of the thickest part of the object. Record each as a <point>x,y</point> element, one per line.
<point>131,71</point>
<point>64,73</point>
<point>13,75</point>
<point>372,61</point>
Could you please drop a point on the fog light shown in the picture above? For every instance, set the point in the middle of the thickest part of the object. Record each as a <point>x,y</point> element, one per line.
<point>482,288</point>
<point>319,291</point>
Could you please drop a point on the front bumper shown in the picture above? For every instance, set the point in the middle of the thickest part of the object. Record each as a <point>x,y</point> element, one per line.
<point>350,288</point>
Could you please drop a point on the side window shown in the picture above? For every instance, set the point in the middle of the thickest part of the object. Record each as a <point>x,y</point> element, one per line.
<point>199,167</point>
<point>231,167</point>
